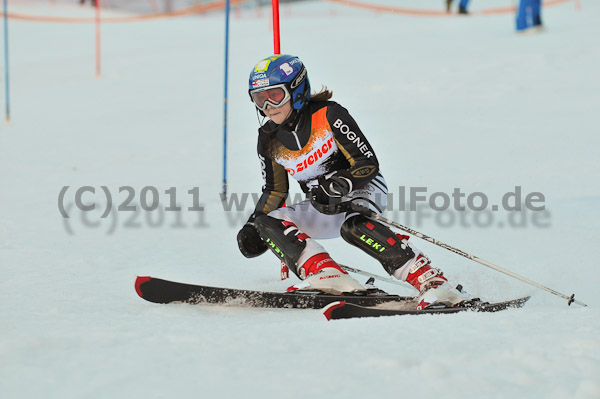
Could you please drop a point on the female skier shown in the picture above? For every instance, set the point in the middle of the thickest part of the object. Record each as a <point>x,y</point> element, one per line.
<point>319,144</point>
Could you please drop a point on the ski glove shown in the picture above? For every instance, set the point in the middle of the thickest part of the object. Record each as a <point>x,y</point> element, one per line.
<point>327,196</point>
<point>249,241</point>
<point>336,186</point>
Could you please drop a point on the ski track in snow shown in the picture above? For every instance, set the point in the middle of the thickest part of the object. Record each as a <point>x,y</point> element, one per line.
<point>445,102</point>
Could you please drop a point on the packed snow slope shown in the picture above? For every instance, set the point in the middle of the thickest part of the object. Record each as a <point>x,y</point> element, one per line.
<point>446,103</point>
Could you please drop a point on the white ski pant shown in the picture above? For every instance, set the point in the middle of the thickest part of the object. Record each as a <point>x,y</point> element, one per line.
<point>320,226</point>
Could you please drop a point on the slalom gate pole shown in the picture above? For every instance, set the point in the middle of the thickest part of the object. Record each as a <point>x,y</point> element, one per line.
<point>276,38</point>
<point>6,75</point>
<point>226,73</point>
<point>368,212</point>
<point>98,54</point>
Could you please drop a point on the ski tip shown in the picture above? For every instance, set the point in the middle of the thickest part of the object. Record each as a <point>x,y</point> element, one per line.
<point>327,310</point>
<point>138,283</point>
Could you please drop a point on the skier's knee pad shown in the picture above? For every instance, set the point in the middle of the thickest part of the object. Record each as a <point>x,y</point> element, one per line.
<point>283,239</point>
<point>378,241</point>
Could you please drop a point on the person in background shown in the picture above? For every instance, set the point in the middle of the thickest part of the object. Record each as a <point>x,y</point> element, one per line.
<point>462,6</point>
<point>529,16</point>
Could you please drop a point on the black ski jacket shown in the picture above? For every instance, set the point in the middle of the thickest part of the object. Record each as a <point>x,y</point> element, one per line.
<point>326,140</point>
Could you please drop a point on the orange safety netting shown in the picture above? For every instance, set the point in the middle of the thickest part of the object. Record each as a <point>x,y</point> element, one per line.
<point>220,4</point>
<point>215,5</point>
<point>434,13</point>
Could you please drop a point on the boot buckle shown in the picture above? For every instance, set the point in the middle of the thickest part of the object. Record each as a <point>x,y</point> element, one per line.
<point>429,274</point>
<point>419,263</point>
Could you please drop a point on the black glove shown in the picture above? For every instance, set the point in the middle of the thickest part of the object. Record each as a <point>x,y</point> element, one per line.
<point>249,241</point>
<point>333,187</point>
<point>327,196</point>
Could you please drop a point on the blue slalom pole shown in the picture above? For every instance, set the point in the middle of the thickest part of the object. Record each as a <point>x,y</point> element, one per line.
<point>6,61</point>
<point>224,193</point>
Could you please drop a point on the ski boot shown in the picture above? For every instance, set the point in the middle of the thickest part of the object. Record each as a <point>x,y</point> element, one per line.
<point>305,257</point>
<point>322,273</point>
<point>402,260</point>
<point>434,289</point>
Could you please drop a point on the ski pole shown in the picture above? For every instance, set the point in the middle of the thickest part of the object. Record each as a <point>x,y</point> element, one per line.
<point>375,276</point>
<point>370,213</point>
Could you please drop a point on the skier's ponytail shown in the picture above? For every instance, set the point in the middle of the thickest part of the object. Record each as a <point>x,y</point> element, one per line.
<point>323,95</point>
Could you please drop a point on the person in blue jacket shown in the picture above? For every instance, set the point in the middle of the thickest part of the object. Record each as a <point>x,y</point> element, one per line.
<point>529,15</point>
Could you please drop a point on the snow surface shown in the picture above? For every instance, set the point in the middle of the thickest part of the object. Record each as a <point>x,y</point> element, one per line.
<point>445,102</point>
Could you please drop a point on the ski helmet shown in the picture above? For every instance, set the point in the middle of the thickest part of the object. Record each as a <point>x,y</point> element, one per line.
<point>286,70</point>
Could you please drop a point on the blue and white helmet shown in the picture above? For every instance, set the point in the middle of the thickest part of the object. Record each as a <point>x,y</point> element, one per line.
<point>282,69</point>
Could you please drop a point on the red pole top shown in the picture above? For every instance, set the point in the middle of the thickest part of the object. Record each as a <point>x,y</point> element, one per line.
<point>276,27</point>
<point>98,51</point>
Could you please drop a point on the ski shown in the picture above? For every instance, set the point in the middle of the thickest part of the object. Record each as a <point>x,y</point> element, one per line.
<point>344,310</point>
<point>163,291</point>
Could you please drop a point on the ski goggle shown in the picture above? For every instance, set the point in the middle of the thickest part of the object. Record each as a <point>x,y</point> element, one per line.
<point>276,96</point>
